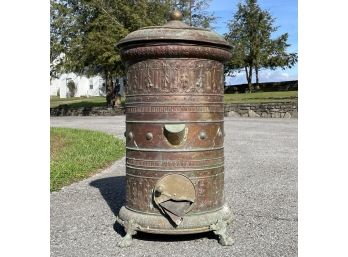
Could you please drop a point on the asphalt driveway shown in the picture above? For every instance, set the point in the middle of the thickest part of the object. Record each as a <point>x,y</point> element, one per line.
<point>260,187</point>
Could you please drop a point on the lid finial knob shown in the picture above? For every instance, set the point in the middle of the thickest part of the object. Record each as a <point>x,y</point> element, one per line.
<point>175,15</point>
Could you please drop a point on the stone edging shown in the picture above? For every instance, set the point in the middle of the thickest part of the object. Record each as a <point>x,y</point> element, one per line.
<point>263,110</point>
<point>86,111</point>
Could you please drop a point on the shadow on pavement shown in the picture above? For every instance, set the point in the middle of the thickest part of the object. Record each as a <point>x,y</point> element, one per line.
<point>113,191</point>
<point>173,238</point>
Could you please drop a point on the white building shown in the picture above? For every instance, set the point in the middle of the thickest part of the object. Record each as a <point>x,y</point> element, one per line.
<point>85,86</point>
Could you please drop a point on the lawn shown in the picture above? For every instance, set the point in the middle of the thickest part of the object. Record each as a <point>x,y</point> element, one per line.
<point>75,102</point>
<point>77,154</point>
<point>261,97</point>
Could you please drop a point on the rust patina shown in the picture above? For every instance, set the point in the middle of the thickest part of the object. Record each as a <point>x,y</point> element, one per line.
<point>174,131</point>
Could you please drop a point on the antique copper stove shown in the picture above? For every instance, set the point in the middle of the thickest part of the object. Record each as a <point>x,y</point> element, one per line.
<point>174,131</point>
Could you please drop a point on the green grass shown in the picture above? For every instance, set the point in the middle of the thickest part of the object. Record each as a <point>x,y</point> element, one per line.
<point>77,154</point>
<point>75,102</point>
<point>261,97</point>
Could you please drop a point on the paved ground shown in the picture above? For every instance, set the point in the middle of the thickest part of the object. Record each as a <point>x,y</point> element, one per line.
<point>260,186</point>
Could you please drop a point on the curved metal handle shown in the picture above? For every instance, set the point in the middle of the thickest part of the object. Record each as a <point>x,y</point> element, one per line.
<point>175,133</point>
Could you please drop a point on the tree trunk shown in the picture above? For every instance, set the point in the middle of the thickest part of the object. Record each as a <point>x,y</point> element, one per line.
<point>249,73</point>
<point>191,5</point>
<point>109,89</point>
<point>257,77</point>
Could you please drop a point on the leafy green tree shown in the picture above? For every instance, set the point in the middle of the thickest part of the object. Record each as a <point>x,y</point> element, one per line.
<point>60,17</point>
<point>86,32</point>
<point>98,54</point>
<point>276,56</point>
<point>253,48</point>
<point>195,12</point>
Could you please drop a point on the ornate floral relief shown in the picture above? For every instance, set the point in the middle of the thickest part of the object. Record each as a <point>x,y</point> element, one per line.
<point>175,76</point>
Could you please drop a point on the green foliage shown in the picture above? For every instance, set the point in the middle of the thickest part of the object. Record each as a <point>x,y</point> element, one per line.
<point>86,31</point>
<point>84,34</point>
<point>77,154</point>
<point>194,12</point>
<point>249,34</point>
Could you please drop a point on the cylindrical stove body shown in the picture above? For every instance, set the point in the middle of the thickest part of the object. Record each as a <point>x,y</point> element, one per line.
<point>174,129</point>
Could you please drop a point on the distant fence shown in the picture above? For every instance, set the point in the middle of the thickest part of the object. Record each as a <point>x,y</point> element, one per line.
<point>291,85</point>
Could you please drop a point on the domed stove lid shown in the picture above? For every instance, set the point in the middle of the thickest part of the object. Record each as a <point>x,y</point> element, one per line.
<point>174,30</point>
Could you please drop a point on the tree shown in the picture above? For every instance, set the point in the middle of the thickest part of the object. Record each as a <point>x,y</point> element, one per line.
<point>59,29</point>
<point>253,48</point>
<point>86,31</point>
<point>195,12</point>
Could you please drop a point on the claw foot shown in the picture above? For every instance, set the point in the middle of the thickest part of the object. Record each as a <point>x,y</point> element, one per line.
<point>130,228</point>
<point>220,229</point>
<point>125,241</point>
<point>225,240</point>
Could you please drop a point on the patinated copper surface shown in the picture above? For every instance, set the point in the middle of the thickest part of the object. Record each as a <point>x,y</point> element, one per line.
<point>174,129</point>
<point>175,91</point>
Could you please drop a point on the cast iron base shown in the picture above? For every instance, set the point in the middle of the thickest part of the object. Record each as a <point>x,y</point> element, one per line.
<point>215,221</point>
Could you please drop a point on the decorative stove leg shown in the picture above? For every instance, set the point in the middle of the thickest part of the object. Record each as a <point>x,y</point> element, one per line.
<point>130,228</point>
<point>220,229</point>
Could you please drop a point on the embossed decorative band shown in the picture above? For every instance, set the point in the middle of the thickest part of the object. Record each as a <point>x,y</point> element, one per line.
<point>171,94</point>
<point>175,51</point>
<point>170,103</point>
<point>175,163</point>
<point>177,170</point>
<point>192,178</point>
<point>175,76</point>
<point>173,121</point>
<point>193,108</point>
<point>173,150</point>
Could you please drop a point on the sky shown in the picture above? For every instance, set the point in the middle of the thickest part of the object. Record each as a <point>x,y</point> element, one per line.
<point>285,14</point>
